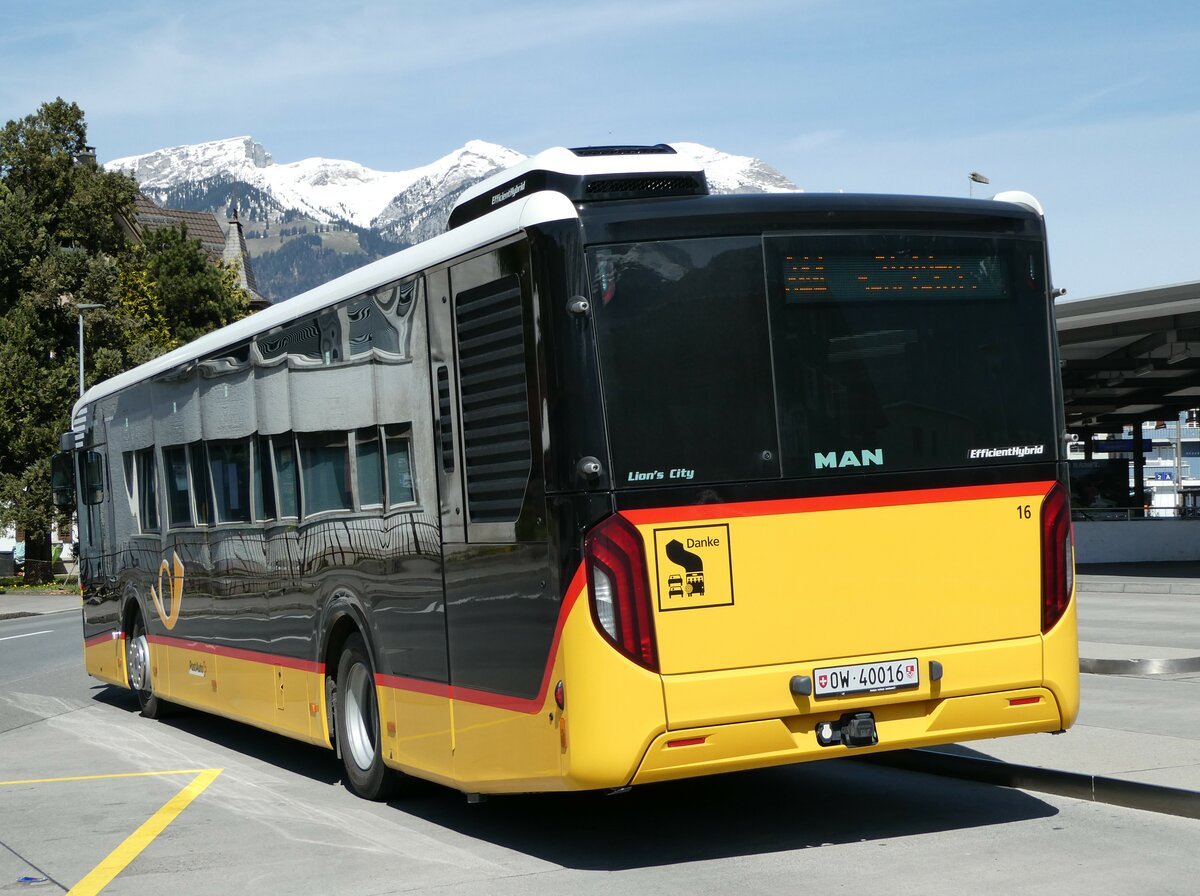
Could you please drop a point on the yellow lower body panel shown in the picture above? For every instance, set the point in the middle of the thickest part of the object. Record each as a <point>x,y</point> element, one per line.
<point>274,696</point>
<point>745,745</point>
<point>500,751</point>
<point>416,736</point>
<point>465,743</point>
<point>741,695</point>
<point>104,658</point>
<point>1061,672</point>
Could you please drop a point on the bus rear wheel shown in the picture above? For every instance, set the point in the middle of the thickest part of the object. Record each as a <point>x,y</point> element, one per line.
<point>137,665</point>
<point>357,723</point>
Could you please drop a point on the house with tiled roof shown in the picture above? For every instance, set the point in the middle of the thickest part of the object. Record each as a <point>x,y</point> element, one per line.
<point>220,243</point>
<point>238,255</point>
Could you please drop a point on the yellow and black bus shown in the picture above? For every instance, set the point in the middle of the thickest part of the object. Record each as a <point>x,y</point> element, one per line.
<point>613,482</point>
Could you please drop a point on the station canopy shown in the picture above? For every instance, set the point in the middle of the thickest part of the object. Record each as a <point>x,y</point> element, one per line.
<point>1130,357</point>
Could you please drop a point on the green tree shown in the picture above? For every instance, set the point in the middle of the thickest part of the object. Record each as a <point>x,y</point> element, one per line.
<point>146,332</point>
<point>195,295</point>
<point>63,244</point>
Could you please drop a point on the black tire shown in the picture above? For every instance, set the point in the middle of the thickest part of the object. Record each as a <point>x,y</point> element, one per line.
<point>138,669</point>
<point>356,718</point>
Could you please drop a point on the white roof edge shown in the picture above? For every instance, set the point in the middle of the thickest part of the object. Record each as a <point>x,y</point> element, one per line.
<point>1020,197</point>
<point>562,161</point>
<point>539,208</point>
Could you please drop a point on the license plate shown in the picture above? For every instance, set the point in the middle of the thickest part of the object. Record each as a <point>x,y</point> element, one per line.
<point>866,678</point>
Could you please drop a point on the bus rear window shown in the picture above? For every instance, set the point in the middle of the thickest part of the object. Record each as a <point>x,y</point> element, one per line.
<point>740,358</point>
<point>909,352</point>
<point>682,329</point>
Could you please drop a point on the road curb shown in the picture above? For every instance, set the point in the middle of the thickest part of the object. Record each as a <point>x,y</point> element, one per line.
<point>1134,588</point>
<point>1171,666</point>
<point>1076,785</point>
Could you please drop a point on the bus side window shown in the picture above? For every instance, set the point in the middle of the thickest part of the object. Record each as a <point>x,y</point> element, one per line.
<point>264,480</point>
<point>369,468</point>
<point>324,471</point>
<point>147,487</point>
<point>229,469</point>
<point>127,467</point>
<point>286,476</point>
<point>399,466</point>
<point>179,494</point>
<point>200,485</point>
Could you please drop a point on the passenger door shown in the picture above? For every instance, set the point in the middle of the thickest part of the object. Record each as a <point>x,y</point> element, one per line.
<point>500,610</point>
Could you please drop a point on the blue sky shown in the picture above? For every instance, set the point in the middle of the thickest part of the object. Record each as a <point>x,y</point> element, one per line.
<point>1092,106</point>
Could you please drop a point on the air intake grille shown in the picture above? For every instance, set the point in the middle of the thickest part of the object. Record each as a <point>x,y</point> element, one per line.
<point>645,185</point>
<point>658,149</point>
<point>495,402</point>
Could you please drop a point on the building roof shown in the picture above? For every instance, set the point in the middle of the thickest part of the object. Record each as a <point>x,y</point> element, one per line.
<point>1130,357</point>
<point>219,243</point>
<point>238,255</point>
<point>202,226</point>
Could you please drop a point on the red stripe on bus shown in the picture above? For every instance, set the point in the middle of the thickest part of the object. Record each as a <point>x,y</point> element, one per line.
<point>237,653</point>
<point>525,705</point>
<point>836,502</point>
<point>413,685</point>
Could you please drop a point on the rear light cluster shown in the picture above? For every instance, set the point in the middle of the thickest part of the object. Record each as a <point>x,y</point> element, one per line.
<point>620,589</point>
<point>1058,557</point>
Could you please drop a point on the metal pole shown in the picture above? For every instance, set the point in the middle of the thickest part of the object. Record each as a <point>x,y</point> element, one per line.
<point>81,354</point>
<point>88,306</point>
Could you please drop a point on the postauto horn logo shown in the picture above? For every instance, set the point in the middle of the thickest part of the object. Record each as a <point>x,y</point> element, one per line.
<point>175,583</point>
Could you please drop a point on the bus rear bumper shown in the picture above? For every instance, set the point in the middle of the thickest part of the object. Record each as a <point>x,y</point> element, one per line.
<point>758,744</point>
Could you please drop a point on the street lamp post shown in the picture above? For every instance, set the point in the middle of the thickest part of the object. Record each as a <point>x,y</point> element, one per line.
<point>975,178</point>
<point>87,306</point>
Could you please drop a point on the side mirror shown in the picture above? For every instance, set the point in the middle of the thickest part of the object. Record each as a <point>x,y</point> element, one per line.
<point>62,479</point>
<point>91,467</point>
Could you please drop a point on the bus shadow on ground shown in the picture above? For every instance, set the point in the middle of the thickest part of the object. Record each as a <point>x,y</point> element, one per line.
<point>746,813</point>
<point>290,755</point>
<point>739,814</point>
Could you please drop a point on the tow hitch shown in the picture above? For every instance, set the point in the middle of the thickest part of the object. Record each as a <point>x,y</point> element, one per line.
<point>854,729</point>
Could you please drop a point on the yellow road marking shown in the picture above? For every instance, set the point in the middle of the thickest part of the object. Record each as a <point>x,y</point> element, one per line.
<point>117,860</point>
<point>184,771</point>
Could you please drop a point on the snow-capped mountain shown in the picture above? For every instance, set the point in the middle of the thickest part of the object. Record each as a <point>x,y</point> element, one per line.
<point>399,203</point>
<point>422,208</point>
<point>387,209</point>
<point>325,190</point>
<point>735,174</point>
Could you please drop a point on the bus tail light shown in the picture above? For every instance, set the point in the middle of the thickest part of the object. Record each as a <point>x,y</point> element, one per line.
<point>1058,557</point>
<point>620,589</point>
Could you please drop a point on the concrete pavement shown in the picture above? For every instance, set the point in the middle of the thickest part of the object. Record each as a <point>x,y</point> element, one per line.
<point>17,602</point>
<point>1137,739</point>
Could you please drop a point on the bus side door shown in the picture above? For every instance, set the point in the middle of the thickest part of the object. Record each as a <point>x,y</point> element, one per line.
<point>501,611</point>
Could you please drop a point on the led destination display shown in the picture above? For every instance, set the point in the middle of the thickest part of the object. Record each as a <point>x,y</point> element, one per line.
<point>817,277</point>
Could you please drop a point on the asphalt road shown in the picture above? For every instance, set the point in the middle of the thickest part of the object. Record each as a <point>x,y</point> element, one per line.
<point>41,669</point>
<point>232,808</point>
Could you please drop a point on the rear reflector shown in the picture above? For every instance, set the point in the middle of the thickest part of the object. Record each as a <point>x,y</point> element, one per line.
<point>687,741</point>
<point>1024,701</point>
<point>1058,557</point>
<point>620,589</point>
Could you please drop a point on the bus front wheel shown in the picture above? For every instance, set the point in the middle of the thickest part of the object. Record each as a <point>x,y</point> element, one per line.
<point>357,723</point>
<point>137,666</point>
